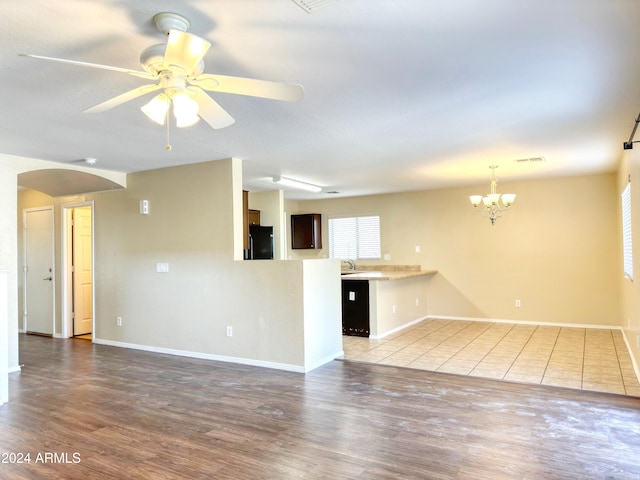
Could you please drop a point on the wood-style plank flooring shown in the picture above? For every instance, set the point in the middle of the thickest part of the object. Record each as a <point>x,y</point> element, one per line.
<point>129,414</point>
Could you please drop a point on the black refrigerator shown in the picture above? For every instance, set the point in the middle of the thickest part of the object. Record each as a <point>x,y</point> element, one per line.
<point>260,242</point>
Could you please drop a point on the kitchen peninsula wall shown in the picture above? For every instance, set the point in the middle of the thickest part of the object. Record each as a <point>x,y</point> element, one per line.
<point>555,251</point>
<point>283,314</point>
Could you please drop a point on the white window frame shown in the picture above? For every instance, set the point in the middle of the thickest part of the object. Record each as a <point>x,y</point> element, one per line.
<point>352,245</point>
<point>627,243</point>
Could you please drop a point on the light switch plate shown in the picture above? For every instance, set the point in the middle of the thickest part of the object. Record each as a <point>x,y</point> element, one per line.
<point>162,267</point>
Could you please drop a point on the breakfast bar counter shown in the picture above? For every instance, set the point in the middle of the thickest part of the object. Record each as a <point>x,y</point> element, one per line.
<point>373,307</point>
<point>385,272</point>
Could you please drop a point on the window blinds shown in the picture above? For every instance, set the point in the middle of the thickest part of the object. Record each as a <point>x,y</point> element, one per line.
<point>626,232</point>
<point>354,237</point>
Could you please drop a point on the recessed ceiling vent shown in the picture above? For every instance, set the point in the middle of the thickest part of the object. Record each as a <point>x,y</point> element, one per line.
<point>531,160</point>
<point>312,5</point>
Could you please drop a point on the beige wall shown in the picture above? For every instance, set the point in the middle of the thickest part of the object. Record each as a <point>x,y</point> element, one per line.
<point>323,318</point>
<point>188,309</point>
<point>557,250</point>
<point>629,289</point>
<point>8,259</point>
<point>396,304</point>
<point>4,339</point>
<point>195,225</point>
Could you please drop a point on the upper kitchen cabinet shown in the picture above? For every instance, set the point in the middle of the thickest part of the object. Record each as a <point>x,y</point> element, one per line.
<point>254,217</point>
<point>306,231</point>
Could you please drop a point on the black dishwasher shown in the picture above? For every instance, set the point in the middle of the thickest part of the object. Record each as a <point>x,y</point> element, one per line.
<point>355,308</point>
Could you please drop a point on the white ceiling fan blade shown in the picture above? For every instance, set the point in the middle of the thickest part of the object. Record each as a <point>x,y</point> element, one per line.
<point>135,73</point>
<point>185,50</point>
<point>210,111</point>
<point>125,97</point>
<point>288,92</point>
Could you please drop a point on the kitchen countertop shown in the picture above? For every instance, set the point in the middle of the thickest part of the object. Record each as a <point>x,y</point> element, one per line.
<point>385,272</point>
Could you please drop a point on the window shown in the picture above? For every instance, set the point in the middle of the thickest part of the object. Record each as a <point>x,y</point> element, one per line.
<point>626,232</point>
<point>354,237</point>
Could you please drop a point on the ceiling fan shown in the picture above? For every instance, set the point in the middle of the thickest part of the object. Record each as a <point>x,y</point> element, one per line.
<point>177,69</point>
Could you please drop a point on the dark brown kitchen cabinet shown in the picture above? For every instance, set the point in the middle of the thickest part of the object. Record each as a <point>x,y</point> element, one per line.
<point>254,217</point>
<point>306,231</point>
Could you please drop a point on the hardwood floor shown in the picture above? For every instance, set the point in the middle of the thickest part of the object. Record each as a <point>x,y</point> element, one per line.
<point>138,415</point>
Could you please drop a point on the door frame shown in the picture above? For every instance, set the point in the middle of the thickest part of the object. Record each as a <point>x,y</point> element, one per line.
<point>25,264</point>
<point>67,278</point>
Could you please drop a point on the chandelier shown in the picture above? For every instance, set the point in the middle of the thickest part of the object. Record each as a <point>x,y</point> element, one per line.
<point>493,205</point>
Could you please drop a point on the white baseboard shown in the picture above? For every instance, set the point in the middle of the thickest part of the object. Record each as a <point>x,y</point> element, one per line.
<point>324,361</point>
<point>523,322</point>
<point>633,360</point>
<point>397,329</point>
<point>14,369</point>
<point>204,356</point>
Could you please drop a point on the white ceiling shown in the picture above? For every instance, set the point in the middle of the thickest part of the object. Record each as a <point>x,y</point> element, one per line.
<point>399,95</point>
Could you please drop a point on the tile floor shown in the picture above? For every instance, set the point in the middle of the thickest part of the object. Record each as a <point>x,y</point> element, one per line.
<point>587,359</point>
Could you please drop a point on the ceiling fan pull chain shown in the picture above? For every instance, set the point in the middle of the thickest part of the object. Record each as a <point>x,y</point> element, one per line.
<point>168,147</point>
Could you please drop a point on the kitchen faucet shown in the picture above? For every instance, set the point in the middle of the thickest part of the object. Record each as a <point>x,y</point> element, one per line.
<point>351,263</point>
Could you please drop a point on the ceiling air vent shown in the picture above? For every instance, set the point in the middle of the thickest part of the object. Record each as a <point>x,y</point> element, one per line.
<point>312,5</point>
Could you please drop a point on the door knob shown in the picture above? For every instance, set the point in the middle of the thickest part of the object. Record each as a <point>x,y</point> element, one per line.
<point>48,278</point>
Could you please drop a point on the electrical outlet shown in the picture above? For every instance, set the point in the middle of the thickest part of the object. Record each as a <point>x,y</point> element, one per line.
<point>417,248</point>
<point>387,256</point>
<point>518,303</point>
<point>119,321</point>
<point>229,331</point>
<point>393,309</point>
<point>417,302</point>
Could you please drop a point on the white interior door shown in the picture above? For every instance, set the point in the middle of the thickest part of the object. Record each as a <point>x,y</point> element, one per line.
<point>38,263</point>
<point>82,272</point>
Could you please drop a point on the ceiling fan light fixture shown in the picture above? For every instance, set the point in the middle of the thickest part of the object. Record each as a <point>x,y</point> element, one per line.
<point>157,108</point>
<point>177,68</point>
<point>167,21</point>
<point>184,105</point>
<point>186,121</point>
<point>185,110</point>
